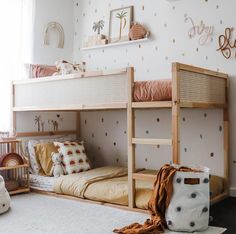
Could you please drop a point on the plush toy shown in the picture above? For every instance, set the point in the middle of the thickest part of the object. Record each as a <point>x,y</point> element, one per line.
<point>65,68</point>
<point>57,168</point>
<point>5,199</point>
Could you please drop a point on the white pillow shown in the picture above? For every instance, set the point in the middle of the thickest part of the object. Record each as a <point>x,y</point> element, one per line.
<point>75,159</point>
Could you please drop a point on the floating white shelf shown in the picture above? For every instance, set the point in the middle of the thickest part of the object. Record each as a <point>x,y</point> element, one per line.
<point>115,44</point>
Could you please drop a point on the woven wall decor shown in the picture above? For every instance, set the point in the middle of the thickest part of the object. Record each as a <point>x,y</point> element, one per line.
<point>138,31</point>
<point>54,26</point>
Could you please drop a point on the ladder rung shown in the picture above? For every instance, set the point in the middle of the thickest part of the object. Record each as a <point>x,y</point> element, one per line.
<point>149,141</point>
<point>146,177</point>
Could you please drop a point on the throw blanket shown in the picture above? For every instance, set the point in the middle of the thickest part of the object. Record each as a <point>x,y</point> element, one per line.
<point>76,184</point>
<point>158,203</point>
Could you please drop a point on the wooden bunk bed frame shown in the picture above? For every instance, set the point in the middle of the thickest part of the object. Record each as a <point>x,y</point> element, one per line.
<point>192,87</point>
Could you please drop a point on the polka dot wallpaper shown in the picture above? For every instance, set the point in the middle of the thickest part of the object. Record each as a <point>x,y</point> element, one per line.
<point>169,42</point>
<point>201,138</point>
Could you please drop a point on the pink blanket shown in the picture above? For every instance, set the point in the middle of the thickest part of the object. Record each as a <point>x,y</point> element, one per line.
<point>156,90</point>
<point>38,71</point>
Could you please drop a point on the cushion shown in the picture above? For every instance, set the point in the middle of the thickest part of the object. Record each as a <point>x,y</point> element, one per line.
<point>35,167</point>
<point>37,70</point>
<point>75,159</point>
<point>43,154</point>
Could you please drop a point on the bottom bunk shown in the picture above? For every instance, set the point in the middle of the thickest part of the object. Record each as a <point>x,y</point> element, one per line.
<point>107,185</point>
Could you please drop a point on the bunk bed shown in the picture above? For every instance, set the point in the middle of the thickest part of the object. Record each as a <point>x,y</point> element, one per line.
<point>191,87</point>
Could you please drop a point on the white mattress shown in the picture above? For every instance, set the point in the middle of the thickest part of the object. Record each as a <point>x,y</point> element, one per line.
<point>43,183</point>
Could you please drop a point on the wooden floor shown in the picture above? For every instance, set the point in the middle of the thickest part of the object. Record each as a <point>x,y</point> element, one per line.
<point>224,215</point>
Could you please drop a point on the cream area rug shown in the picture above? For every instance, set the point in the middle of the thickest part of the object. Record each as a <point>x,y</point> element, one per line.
<point>40,214</point>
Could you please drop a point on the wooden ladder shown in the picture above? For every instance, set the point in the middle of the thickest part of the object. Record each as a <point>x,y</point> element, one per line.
<point>132,140</point>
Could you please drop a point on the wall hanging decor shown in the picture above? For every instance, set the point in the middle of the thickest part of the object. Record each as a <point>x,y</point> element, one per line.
<point>226,44</point>
<point>54,26</point>
<point>201,30</point>
<point>120,23</point>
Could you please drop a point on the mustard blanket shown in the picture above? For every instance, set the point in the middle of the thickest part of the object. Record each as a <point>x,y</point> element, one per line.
<point>76,184</point>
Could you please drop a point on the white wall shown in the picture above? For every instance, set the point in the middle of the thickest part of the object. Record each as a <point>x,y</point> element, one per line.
<point>201,133</point>
<point>60,11</point>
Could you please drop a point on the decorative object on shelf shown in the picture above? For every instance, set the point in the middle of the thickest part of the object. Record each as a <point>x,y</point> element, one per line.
<point>7,136</point>
<point>120,23</point>
<point>4,135</point>
<point>98,26</point>
<point>225,44</point>
<point>11,160</point>
<point>204,32</point>
<point>37,120</point>
<point>65,68</point>
<point>138,31</point>
<point>56,27</point>
<point>5,199</point>
<point>98,39</point>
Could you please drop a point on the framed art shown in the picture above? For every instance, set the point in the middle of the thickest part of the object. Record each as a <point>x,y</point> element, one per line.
<point>120,23</point>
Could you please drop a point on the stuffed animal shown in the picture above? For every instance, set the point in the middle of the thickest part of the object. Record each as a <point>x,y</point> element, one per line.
<point>57,168</point>
<point>5,199</point>
<point>65,68</point>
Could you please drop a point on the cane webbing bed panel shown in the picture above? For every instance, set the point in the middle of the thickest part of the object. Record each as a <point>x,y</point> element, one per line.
<point>201,88</point>
<point>95,90</point>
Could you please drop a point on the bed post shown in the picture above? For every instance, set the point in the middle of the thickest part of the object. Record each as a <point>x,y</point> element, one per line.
<point>175,113</point>
<point>130,135</point>
<point>226,141</point>
<point>78,127</point>
<point>13,121</point>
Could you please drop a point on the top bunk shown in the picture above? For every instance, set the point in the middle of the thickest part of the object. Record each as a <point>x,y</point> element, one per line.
<point>190,87</point>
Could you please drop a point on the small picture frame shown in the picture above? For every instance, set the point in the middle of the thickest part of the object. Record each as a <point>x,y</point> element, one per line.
<point>120,23</point>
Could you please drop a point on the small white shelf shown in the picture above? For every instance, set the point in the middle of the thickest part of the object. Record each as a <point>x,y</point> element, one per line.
<point>115,44</point>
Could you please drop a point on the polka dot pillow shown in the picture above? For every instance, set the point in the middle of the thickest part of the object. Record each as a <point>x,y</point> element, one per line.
<point>74,157</point>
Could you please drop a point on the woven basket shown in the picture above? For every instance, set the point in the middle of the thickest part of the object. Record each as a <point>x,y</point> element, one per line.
<point>137,31</point>
<point>11,185</point>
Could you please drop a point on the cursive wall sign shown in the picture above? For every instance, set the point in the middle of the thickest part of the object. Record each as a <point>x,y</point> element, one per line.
<point>204,32</point>
<point>226,44</point>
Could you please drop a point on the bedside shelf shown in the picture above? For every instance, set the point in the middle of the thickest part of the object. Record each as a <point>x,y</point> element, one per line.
<point>116,44</point>
<point>16,177</point>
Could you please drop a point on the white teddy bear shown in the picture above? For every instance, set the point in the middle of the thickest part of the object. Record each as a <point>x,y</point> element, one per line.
<point>57,168</point>
<point>5,199</point>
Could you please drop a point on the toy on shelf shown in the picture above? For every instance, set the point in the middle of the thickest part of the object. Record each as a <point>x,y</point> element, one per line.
<point>14,166</point>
